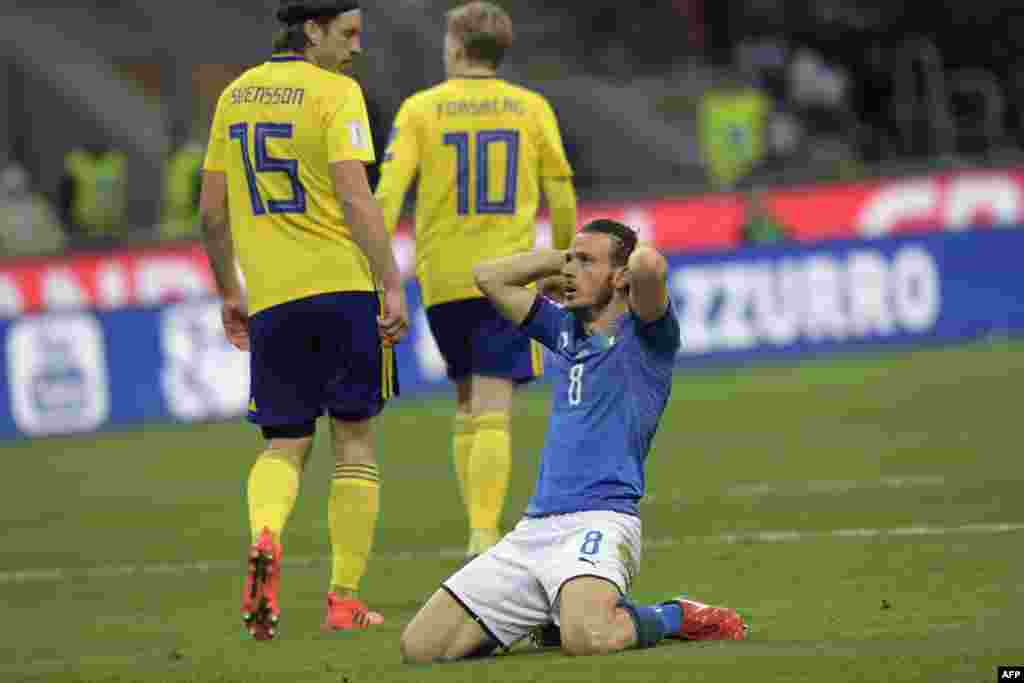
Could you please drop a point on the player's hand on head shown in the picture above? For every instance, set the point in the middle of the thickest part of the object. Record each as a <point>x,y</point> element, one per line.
<point>552,287</point>
<point>627,277</point>
<point>235,316</point>
<point>393,321</point>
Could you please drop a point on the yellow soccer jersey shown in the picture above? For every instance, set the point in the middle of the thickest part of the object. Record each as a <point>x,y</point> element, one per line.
<point>275,131</point>
<point>480,147</point>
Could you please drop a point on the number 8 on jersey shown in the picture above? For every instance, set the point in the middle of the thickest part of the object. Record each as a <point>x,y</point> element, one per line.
<point>576,384</point>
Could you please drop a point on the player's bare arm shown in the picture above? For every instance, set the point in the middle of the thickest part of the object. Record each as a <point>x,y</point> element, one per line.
<point>364,215</point>
<point>213,207</point>
<point>648,291</point>
<point>220,251</point>
<point>504,280</point>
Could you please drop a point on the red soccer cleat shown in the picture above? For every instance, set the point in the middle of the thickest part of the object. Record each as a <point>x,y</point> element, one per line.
<point>260,611</point>
<point>704,622</point>
<point>348,614</point>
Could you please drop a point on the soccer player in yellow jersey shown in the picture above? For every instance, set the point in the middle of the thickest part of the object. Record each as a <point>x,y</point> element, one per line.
<point>285,192</point>
<point>483,149</point>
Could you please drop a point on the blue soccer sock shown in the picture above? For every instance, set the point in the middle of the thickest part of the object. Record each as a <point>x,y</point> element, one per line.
<point>650,627</point>
<point>671,614</point>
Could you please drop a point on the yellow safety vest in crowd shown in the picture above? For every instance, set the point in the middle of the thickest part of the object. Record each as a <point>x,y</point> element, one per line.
<point>732,132</point>
<point>182,181</point>
<point>99,198</point>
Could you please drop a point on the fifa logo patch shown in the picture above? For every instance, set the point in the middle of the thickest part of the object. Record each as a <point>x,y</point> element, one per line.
<point>357,135</point>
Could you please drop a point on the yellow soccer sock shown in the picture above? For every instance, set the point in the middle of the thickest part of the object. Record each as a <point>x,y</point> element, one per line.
<point>352,517</point>
<point>272,490</point>
<point>462,449</point>
<point>489,468</point>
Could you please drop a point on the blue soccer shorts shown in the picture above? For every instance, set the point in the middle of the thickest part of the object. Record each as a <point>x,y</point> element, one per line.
<point>475,339</point>
<point>319,354</point>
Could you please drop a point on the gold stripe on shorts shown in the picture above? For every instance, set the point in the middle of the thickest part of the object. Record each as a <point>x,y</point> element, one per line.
<point>537,357</point>
<point>387,371</point>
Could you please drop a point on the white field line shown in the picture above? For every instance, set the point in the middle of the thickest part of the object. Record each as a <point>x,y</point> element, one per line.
<point>827,486</point>
<point>834,486</point>
<point>57,574</point>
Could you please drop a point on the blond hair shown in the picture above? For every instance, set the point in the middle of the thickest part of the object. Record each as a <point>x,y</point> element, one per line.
<point>483,29</point>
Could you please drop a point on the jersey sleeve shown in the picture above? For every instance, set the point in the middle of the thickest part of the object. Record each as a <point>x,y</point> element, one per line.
<point>544,322</point>
<point>561,198</point>
<point>401,160</point>
<point>662,335</point>
<point>217,146</point>
<point>348,126</point>
<point>553,162</point>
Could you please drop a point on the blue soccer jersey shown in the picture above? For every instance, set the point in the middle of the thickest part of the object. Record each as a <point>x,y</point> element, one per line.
<point>609,394</point>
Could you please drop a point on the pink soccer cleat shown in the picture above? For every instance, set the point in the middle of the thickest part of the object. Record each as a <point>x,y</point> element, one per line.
<point>348,614</point>
<point>260,611</point>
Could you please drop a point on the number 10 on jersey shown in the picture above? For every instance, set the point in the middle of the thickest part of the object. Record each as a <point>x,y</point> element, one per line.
<point>485,141</point>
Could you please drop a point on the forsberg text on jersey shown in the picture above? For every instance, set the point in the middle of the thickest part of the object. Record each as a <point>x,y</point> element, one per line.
<point>495,105</point>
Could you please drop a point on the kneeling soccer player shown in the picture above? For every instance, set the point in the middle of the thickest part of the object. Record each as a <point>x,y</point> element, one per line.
<point>572,558</point>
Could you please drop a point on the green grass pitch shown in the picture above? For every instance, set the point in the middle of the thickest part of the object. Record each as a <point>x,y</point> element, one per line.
<point>865,513</point>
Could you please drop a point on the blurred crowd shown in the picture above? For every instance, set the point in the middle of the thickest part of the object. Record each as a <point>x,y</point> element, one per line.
<point>91,202</point>
<point>838,85</point>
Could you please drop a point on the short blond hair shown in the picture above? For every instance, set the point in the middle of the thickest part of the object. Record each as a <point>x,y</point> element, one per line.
<point>483,29</point>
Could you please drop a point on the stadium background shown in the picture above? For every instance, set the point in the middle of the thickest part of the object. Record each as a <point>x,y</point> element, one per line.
<point>840,188</point>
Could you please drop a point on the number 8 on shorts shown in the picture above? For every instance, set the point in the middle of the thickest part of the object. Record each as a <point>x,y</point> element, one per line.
<point>591,543</point>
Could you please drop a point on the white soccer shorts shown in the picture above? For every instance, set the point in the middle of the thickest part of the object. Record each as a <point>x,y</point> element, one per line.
<point>514,586</point>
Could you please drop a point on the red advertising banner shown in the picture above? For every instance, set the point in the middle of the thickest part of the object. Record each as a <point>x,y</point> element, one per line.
<point>107,280</point>
<point>949,201</point>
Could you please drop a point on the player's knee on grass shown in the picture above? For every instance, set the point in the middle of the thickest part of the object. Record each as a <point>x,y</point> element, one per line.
<point>597,635</point>
<point>442,631</point>
<point>418,651</point>
<point>591,623</point>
